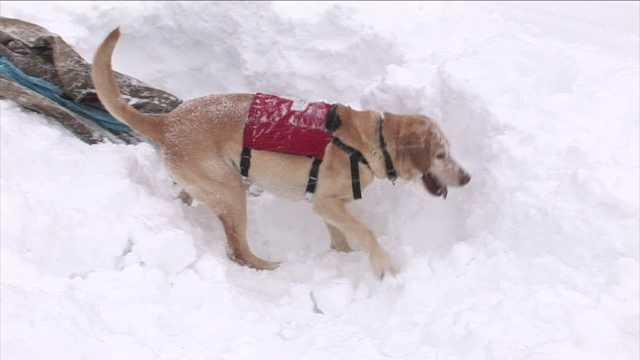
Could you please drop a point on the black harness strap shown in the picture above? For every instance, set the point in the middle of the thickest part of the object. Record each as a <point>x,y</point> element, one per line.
<point>313,177</point>
<point>245,161</point>
<point>388,163</point>
<point>333,120</point>
<point>355,157</point>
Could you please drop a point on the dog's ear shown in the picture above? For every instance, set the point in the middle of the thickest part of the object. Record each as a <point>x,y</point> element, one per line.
<point>412,146</point>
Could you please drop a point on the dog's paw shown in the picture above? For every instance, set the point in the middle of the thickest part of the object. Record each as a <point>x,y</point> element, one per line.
<point>254,262</point>
<point>268,265</point>
<point>341,246</point>
<point>382,263</point>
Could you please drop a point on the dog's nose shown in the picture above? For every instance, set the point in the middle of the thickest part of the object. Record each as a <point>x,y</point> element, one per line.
<point>465,179</point>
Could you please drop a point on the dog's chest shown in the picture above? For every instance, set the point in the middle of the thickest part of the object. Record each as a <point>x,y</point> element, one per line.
<point>287,125</point>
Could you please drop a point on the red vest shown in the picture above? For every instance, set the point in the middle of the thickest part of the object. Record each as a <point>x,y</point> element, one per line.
<point>287,126</point>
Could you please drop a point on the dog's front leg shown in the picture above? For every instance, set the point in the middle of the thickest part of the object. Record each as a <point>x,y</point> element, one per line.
<point>335,213</point>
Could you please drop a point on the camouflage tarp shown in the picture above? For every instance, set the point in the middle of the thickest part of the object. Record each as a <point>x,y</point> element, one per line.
<point>43,55</point>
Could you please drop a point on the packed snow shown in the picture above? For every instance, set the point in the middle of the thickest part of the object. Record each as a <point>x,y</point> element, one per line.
<point>537,258</point>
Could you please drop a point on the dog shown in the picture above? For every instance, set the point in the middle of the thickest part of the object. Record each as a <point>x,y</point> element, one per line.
<point>202,146</point>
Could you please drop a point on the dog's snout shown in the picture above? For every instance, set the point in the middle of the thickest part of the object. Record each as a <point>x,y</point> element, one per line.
<point>464,180</point>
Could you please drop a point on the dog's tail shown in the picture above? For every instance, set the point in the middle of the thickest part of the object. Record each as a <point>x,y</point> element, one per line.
<point>110,96</point>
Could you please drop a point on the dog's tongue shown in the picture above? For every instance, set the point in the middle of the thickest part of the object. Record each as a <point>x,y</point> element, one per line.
<point>433,185</point>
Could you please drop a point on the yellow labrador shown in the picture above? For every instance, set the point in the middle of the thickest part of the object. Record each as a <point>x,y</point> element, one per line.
<point>202,143</point>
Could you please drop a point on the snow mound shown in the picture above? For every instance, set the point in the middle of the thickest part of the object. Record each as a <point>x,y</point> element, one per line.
<point>537,258</point>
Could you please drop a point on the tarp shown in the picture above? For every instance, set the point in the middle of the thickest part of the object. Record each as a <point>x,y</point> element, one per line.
<point>57,95</point>
<point>40,71</point>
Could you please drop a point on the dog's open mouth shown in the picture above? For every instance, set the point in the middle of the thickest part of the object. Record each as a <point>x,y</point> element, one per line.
<point>434,185</point>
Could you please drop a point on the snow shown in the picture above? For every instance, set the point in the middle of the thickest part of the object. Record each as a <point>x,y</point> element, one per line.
<point>537,258</point>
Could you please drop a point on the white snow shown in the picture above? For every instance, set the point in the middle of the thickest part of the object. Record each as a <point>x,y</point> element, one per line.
<point>537,258</point>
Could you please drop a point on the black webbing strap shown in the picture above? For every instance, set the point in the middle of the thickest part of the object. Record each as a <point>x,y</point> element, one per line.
<point>355,157</point>
<point>333,120</point>
<point>388,163</point>
<point>245,161</point>
<point>355,176</point>
<point>313,177</point>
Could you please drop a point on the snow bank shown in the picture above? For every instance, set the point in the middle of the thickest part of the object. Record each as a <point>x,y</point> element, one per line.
<point>536,258</point>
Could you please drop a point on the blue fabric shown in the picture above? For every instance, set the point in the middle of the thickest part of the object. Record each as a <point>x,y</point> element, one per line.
<point>56,94</point>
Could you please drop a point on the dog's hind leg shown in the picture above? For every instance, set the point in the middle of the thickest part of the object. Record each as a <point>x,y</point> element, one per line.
<point>334,211</point>
<point>228,200</point>
<point>338,239</point>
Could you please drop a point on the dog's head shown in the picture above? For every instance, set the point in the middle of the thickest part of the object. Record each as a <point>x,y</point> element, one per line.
<point>422,151</point>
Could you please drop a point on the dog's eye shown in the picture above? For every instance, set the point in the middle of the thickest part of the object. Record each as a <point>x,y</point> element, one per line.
<point>440,156</point>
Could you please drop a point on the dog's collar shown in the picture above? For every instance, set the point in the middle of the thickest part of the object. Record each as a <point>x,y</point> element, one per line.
<point>388,163</point>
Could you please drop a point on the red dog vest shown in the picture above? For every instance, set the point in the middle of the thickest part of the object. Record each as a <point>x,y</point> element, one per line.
<point>287,126</point>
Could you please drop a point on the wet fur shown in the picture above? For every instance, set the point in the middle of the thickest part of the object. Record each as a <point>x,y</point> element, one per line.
<point>201,142</point>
